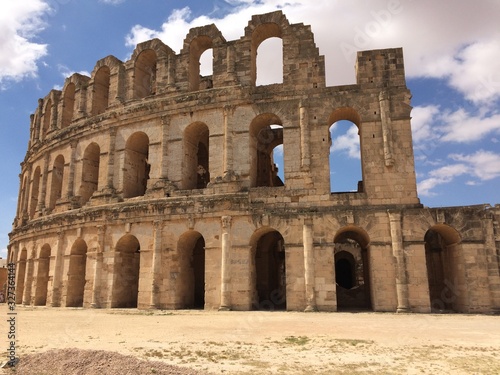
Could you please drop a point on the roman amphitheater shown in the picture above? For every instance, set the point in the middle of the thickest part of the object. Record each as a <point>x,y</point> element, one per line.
<point>148,185</point>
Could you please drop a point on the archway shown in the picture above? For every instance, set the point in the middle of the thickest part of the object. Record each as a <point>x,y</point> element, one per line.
<point>445,269</point>
<point>197,48</point>
<point>260,34</point>
<point>57,181</point>
<point>21,274</point>
<point>345,156</point>
<point>269,65</point>
<point>90,171</point>
<point>352,275</point>
<point>136,166</point>
<point>100,100</point>
<point>76,274</point>
<point>145,74</point>
<point>266,135</point>
<point>126,271</point>
<point>196,156</point>
<point>191,282</point>
<point>68,105</point>
<point>268,247</point>
<point>42,278</point>
<point>35,187</point>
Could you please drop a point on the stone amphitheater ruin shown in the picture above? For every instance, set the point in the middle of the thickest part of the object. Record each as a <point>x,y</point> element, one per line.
<point>147,185</point>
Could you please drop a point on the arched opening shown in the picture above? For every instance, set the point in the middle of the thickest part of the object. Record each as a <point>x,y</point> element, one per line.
<point>57,181</point>
<point>100,100</point>
<point>76,274</point>
<point>196,156</point>
<point>46,118</point>
<point>42,278</point>
<point>266,151</point>
<point>191,283</point>
<point>21,274</point>
<point>145,74</point>
<point>268,248</point>
<point>126,271</point>
<point>352,276</point>
<point>346,173</point>
<point>269,62</point>
<point>68,105</point>
<point>260,34</point>
<point>200,53</point>
<point>22,206</point>
<point>90,171</point>
<point>445,269</point>
<point>136,169</point>
<point>35,187</point>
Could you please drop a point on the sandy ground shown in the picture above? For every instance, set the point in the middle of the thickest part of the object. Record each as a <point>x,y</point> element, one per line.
<point>270,342</point>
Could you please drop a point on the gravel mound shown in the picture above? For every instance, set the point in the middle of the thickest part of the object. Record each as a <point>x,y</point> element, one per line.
<point>92,362</point>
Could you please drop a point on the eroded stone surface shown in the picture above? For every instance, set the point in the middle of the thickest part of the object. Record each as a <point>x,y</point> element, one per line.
<point>147,185</point>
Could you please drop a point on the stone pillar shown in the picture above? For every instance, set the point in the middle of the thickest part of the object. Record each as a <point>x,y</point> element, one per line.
<point>170,72</point>
<point>398,253</point>
<point>385,116</point>
<point>156,265</point>
<point>228,144</point>
<point>307,235</point>
<point>71,177</point>
<point>225,300</point>
<point>111,161</point>
<point>58,270</point>
<point>165,124</point>
<point>96,287</point>
<point>28,279</point>
<point>492,264</point>
<point>43,190</point>
<point>304,137</point>
<point>38,123</point>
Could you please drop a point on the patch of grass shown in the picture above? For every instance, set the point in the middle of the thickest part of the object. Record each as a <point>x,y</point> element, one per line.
<point>300,340</point>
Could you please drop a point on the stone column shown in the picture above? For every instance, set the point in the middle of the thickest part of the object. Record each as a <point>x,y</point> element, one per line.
<point>307,235</point>
<point>228,144</point>
<point>398,253</point>
<point>58,270</point>
<point>304,137</point>
<point>101,234</point>
<point>43,190</point>
<point>225,300</point>
<point>492,264</point>
<point>165,124</point>
<point>156,265</point>
<point>111,161</point>
<point>71,177</point>
<point>28,280</point>
<point>385,116</point>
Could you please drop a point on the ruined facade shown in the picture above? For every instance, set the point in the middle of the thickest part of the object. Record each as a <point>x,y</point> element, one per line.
<point>148,185</point>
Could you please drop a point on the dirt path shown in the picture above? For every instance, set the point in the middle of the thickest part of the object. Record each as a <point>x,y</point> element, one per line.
<point>272,342</point>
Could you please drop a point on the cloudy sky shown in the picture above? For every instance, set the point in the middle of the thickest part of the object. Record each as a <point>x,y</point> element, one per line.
<point>452,60</point>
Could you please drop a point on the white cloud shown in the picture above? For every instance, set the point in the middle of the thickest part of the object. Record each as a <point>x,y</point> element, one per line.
<point>19,23</point>
<point>67,72</point>
<point>3,253</point>
<point>480,166</point>
<point>421,123</point>
<point>112,2</point>
<point>347,143</point>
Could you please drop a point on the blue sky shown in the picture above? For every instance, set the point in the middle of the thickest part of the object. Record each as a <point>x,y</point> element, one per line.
<point>452,61</point>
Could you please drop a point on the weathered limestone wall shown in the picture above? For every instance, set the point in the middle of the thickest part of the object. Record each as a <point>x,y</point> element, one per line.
<point>146,185</point>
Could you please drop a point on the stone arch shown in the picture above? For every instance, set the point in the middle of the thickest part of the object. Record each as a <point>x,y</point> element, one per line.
<point>90,171</point>
<point>42,278</point>
<point>196,166</point>
<point>198,45</point>
<point>445,269</point>
<point>68,105</point>
<point>100,95</point>
<point>268,269</point>
<point>266,132</point>
<point>136,165</point>
<point>341,116</point>
<point>23,201</point>
<point>21,274</point>
<point>351,247</point>
<point>145,74</point>
<point>46,118</point>
<point>76,274</point>
<point>126,272</point>
<point>56,181</point>
<point>191,282</point>
<point>35,191</point>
